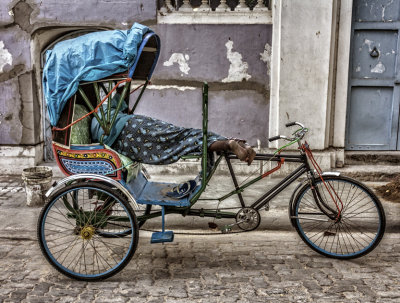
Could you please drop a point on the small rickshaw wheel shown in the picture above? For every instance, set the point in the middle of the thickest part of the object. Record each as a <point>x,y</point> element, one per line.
<point>88,231</point>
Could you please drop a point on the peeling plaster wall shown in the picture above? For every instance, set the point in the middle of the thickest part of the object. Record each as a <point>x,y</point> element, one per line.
<point>233,59</point>
<point>213,50</point>
<point>16,42</point>
<point>20,22</point>
<point>6,17</point>
<point>14,63</point>
<point>113,13</point>
<point>10,122</point>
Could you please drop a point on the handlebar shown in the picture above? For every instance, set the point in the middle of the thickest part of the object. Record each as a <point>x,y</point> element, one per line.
<point>274,138</point>
<point>295,123</point>
<point>298,134</point>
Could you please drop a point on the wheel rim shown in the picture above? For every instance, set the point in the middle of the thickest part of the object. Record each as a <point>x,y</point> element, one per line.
<point>357,229</point>
<point>91,242</point>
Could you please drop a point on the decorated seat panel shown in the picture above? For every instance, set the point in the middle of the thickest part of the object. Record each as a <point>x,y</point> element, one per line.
<point>96,161</point>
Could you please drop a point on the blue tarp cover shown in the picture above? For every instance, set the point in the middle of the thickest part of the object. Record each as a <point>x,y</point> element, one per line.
<point>87,58</point>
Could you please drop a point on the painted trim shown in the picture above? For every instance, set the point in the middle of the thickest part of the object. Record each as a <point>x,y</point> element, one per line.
<point>342,74</point>
<point>275,72</point>
<point>59,147</point>
<point>213,17</point>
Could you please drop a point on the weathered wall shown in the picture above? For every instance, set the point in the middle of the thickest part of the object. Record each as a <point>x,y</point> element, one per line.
<point>233,59</point>
<point>303,66</point>
<point>114,13</point>
<point>22,21</point>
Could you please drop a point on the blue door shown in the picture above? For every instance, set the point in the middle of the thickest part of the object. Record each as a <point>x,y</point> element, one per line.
<point>374,99</point>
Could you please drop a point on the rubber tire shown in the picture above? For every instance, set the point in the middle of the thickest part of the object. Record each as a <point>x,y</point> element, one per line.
<point>375,200</point>
<point>96,186</point>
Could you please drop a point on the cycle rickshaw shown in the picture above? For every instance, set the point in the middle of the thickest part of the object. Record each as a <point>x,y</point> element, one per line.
<point>89,228</point>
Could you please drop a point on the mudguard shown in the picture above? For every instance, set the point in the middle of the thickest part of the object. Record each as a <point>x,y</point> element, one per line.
<point>84,177</point>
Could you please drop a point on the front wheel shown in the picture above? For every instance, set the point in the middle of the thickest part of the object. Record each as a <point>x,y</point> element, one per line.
<point>87,231</point>
<point>355,232</point>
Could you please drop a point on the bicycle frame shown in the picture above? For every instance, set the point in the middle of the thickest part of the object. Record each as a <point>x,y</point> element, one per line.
<point>264,199</point>
<point>261,202</point>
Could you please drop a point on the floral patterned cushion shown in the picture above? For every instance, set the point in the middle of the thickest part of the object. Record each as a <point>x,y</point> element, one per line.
<point>80,132</point>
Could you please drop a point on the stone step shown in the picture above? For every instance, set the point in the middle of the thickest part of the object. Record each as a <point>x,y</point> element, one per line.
<point>370,172</point>
<point>372,157</point>
<point>365,172</point>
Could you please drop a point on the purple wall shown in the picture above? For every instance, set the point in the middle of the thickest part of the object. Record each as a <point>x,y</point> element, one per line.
<point>232,58</point>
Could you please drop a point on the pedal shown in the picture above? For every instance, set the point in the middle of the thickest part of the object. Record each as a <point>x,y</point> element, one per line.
<point>226,229</point>
<point>161,237</point>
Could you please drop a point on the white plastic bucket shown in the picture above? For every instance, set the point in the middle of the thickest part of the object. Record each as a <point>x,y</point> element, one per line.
<point>37,182</point>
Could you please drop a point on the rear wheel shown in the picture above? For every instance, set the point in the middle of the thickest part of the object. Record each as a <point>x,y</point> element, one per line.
<point>358,229</point>
<point>88,231</point>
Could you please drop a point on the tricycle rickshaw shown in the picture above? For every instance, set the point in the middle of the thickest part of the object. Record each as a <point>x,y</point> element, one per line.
<point>89,228</point>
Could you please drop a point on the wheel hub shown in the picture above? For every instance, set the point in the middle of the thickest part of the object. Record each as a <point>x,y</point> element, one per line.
<point>87,232</point>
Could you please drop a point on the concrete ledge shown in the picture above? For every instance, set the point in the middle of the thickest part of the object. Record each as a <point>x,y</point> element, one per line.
<point>30,157</point>
<point>371,172</point>
<point>15,158</point>
<point>325,159</point>
<point>372,157</point>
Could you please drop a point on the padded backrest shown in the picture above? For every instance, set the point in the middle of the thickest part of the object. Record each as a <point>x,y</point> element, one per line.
<point>80,132</point>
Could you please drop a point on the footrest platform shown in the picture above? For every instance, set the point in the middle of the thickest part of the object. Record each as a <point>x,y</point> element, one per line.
<point>162,236</point>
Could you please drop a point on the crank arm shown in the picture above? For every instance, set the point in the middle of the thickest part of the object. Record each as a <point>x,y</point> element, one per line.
<point>228,228</point>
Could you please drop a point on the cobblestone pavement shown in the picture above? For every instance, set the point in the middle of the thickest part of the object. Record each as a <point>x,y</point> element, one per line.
<point>261,266</point>
<point>251,267</point>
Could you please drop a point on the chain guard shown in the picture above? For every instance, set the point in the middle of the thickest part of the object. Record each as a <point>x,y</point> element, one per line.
<point>248,218</point>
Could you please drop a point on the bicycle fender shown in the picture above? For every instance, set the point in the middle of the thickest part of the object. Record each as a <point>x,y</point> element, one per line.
<point>331,173</point>
<point>57,185</point>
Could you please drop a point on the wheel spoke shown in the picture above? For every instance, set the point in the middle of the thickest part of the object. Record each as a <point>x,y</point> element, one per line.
<point>83,242</point>
<point>355,232</point>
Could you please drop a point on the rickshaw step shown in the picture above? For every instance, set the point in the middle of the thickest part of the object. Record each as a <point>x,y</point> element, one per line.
<point>162,236</point>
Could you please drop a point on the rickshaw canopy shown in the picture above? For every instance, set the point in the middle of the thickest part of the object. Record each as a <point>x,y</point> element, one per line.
<point>89,57</point>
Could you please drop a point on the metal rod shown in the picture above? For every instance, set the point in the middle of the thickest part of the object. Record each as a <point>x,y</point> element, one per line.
<point>205,145</point>
<point>121,99</point>
<point>240,189</point>
<point>89,104</point>
<point>139,97</point>
<point>279,187</point>
<point>103,116</point>
<point>235,182</point>
<point>272,157</point>
<point>109,104</point>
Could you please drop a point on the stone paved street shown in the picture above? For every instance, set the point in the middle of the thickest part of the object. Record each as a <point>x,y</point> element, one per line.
<point>261,266</point>
<point>251,267</point>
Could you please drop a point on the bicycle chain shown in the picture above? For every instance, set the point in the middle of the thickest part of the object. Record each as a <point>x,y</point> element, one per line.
<point>201,234</point>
